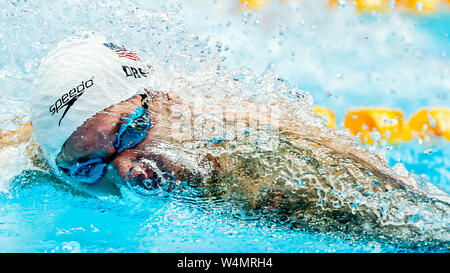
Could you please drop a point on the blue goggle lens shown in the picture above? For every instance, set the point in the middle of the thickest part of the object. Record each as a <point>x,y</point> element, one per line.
<point>134,130</point>
<point>89,171</point>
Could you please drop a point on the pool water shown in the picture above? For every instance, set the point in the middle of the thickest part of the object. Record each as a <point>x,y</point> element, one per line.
<point>343,59</point>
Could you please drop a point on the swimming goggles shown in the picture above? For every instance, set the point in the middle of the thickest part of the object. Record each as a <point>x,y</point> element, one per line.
<point>131,132</point>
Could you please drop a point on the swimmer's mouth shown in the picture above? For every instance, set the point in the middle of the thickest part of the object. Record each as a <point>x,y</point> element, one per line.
<point>133,131</point>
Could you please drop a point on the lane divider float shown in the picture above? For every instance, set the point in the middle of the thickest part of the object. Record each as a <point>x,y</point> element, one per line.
<point>415,6</point>
<point>378,124</point>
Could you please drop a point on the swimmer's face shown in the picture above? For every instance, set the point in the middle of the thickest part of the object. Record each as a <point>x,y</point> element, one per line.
<point>96,138</point>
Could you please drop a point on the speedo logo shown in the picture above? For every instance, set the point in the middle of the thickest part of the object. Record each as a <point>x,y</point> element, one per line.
<point>68,99</point>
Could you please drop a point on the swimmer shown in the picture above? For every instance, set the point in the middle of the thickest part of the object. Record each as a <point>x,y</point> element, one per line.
<point>99,128</point>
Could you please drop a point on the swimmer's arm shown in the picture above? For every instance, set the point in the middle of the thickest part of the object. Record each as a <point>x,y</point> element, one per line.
<point>23,134</point>
<point>14,138</point>
<point>260,115</point>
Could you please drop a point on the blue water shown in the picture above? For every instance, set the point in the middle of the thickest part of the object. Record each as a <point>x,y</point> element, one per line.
<point>43,217</point>
<point>41,214</point>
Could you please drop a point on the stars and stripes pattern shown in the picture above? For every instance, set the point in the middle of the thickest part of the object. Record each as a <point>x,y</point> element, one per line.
<point>122,52</point>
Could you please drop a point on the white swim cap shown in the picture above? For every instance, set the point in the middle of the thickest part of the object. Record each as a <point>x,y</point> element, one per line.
<point>78,79</point>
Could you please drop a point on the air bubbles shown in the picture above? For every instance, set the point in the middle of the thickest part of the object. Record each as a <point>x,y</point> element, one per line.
<point>219,46</point>
<point>419,6</point>
<point>392,3</point>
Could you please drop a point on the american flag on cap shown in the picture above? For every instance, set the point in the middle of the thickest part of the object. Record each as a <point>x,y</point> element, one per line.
<point>122,52</point>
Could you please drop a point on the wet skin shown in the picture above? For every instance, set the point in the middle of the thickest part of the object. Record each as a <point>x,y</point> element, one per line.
<point>96,138</point>
<point>325,163</point>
